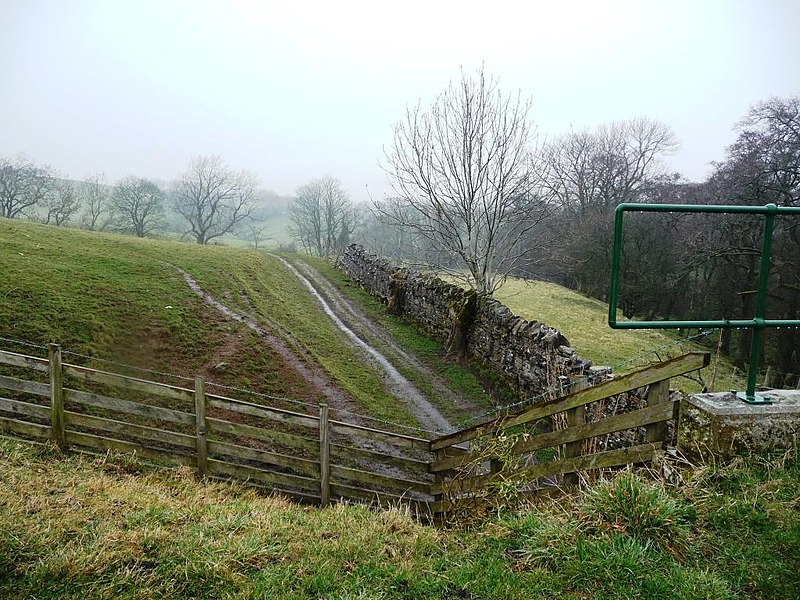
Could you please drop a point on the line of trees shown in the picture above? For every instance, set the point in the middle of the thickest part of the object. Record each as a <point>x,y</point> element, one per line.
<point>211,198</point>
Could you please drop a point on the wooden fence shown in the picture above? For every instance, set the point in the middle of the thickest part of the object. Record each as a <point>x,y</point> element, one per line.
<point>313,458</point>
<point>548,444</point>
<point>309,457</point>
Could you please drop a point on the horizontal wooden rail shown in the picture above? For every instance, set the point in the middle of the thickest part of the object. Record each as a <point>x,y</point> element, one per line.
<point>611,458</point>
<point>257,410</point>
<point>97,442</point>
<point>34,430</point>
<point>131,384</point>
<point>28,387</point>
<point>23,360</point>
<point>397,439</point>
<point>347,492</point>
<point>26,409</point>
<point>297,496</point>
<point>389,482</point>
<point>290,440</point>
<point>128,407</point>
<point>626,383</point>
<point>271,478</point>
<point>636,418</point>
<point>239,453</point>
<point>347,453</point>
<point>147,434</point>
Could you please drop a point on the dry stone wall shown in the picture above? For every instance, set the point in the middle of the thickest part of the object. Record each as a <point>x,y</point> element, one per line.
<point>528,356</point>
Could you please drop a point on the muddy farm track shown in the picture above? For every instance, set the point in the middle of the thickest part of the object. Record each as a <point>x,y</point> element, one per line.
<point>363,335</point>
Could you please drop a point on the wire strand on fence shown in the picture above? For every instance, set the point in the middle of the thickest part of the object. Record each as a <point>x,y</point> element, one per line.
<point>23,343</point>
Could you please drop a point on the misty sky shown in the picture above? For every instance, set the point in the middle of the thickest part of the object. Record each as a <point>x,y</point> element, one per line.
<point>295,90</point>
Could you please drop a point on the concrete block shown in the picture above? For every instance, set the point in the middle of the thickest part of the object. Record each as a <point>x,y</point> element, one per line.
<point>721,425</point>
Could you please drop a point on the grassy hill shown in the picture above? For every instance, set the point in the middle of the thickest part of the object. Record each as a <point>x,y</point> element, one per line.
<point>80,527</point>
<point>119,298</point>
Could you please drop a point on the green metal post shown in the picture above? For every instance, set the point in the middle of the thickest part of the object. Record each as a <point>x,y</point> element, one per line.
<point>750,395</point>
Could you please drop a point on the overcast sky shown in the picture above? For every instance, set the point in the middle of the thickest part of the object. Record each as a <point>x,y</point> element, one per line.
<point>295,90</point>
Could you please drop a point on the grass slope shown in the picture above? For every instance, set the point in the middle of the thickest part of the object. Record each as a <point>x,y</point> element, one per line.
<point>120,298</point>
<point>73,526</point>
<point>585,323</point>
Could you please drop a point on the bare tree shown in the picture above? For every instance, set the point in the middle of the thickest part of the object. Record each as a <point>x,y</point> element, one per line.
<point>258,234</point>
<point>213,198</point>
<point>61,203</point>
<point>23,185</point>
<point>138,205</point>
<point>586,173</point>
<point>322,218</point>
<point>461,173</point>
<point>97,198</point>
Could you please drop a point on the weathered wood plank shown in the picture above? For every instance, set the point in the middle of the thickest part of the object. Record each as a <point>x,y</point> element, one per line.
<point>131,384</point>
<point>28,387</point>
<point>39,432</point>
<point>396,439</point>
<point>302,497</point>
<point>347,492</point>
<point>340,453</point>
<point>129,407</point>
<point>256,410</point>
<point>637,379</point>
<point>324,455</point>
<point>658,394</point>
<point>217,467</point>
<point>232,451</point>
<point>200,426</point>
<point>125,447</point>
<point>23,360</point>
<point>629,420</point>
<point>17,407</point>
<point>268,435</point>
<point>392,483</point>
<point>147,434</point>
<point>56,396</point>
<point>611,458</point>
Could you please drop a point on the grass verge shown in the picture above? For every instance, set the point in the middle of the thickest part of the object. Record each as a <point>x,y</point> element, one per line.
<point>75,526</point>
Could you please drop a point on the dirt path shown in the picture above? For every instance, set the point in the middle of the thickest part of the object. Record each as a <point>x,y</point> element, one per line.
<point>376,334</point>
<point>295,357</point>
<point>364,335</point>
<point>307,369</point>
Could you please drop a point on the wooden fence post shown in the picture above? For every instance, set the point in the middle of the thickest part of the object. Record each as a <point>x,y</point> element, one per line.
<point>575,416</point>
<point>56,396</point>
<point>658,393</point>
<point>200,422</point>
<point>324,456</point>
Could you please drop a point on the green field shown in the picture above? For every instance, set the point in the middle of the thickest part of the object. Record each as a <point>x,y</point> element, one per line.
<point>584,321</point>
<point>77,527</point>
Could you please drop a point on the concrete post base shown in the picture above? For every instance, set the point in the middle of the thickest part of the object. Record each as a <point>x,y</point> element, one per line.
<point>722,426</point>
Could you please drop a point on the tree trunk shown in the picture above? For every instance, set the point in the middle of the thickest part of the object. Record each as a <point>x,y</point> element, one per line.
<point>462,315</point>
